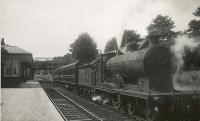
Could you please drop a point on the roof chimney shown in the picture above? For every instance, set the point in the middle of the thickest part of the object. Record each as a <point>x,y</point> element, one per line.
<point>2,41</point>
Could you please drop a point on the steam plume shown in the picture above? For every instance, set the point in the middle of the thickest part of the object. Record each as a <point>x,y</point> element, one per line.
<point>100,99</point>
<point>181,43</point>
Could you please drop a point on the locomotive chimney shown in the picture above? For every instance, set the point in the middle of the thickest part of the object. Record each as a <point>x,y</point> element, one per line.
<point>153,40</point>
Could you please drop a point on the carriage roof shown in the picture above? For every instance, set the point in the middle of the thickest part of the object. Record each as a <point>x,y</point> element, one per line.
<point>66,67</point>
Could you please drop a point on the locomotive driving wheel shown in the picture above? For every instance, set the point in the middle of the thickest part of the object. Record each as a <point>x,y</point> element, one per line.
<point>116,102</point>
<point>151,113</point>
<point>131,107</point>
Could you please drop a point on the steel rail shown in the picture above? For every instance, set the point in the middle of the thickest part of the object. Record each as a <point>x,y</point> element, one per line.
<point>60,112</point>
<point>77,105</point>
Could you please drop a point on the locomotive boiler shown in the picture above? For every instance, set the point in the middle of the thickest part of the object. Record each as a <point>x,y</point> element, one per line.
<point>154,63</point>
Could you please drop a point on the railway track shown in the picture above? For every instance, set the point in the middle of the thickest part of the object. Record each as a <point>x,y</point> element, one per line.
<point>75,108</point>
<point>69,110</point>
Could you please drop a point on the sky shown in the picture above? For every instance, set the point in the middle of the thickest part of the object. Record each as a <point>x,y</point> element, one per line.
<point>46,28</point>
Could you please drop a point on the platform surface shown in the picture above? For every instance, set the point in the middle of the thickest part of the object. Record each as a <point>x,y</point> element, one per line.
<point>28,102</point>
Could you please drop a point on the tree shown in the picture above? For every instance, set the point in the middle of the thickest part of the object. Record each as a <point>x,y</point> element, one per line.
<point>84,48</point>
<point>162,26</point>
<point>130,36</point>
<point>194,28</point>
<point>66,59</point>
<point>194,25</point>
<point>192,56</point>
<point>111,45</point>
<point>197,12</point>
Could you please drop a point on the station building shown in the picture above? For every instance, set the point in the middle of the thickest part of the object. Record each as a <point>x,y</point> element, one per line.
<point>16,64</point>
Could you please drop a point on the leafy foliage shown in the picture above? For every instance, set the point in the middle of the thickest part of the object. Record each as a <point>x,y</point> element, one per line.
<point>66,59</point>
<point>194,25</point>
<point>192,56</point>
<point>84,48</point>
<point>56,62</point>
<point>111,45</point>
<point>130,36</point>
<point>197,12</point>
<point>194,28</point>
<point>162,26</point>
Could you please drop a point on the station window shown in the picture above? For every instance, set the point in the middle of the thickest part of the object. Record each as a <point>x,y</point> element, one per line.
<point>7,70</point>
<point>15,71</point>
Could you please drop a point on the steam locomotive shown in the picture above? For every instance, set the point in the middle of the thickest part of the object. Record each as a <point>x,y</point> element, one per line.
<point>137,81</point>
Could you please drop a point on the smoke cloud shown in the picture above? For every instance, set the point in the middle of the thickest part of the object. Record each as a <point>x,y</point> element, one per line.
<point>100,99</point>
<point>181,43</point>
<point>181,78</point>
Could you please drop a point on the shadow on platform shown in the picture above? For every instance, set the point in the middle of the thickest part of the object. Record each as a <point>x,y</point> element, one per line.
<point>27,84</point>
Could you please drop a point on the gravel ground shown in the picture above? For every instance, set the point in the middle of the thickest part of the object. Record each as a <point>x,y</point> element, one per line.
<point>27,103</point>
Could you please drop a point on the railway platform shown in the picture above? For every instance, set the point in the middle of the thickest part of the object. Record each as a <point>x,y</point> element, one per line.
<point>27,102</point>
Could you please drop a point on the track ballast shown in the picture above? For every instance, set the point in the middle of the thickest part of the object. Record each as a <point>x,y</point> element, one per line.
<point>75,108</point>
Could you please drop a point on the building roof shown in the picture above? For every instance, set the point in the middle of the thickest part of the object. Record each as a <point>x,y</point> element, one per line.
<point>14,49</point>
<point>3,51</point>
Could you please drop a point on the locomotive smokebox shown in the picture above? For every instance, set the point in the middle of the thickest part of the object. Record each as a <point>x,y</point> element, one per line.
<point>153,63</point>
